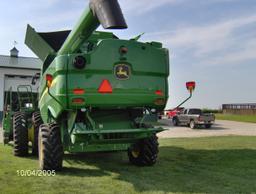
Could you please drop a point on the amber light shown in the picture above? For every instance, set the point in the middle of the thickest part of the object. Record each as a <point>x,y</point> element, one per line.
<point>78,101</point>
<point>49,79</point>
<point>105,87</point>
<point>159,92</point>
<point>78,91</point>
<point>159,101</point>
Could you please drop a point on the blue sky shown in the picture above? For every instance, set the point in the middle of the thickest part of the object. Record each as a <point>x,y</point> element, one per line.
<point>211,41</point>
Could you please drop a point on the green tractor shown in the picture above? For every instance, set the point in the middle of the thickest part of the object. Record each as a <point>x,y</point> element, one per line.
<point>98,92</point>
<point>21,120</point>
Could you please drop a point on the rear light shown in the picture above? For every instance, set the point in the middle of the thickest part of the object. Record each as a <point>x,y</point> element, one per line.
<point>191,86</point>
<point>159,92</point>
<point>78,91</point>
<point>77,100</point>
<point>105,87</point>
<point>49,79</point>
<point>159,101</point>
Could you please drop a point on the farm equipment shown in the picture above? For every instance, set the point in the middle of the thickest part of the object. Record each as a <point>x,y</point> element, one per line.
<point>21,120</point>
<point>98,92</point>
<point>191,85</point>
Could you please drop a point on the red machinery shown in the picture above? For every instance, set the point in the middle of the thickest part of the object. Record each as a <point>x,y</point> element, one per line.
<point>173,112</point>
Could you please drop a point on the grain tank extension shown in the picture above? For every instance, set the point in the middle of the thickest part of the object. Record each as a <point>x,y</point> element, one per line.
<point>98,92</point>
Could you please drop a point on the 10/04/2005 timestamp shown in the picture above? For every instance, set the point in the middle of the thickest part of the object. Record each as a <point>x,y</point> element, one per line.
<point>36,173</point>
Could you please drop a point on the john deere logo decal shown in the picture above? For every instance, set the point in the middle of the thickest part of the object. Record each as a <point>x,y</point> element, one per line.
<point>122,71</point>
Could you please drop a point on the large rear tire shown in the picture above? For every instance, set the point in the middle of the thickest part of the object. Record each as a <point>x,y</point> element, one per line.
<point>20,134</point>
<point>36,122</point>
<point>50,147</point>
<point>144,152</point>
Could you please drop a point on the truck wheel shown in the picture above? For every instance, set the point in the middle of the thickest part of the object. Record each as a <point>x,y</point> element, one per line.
<point>36,122</point>
<point>20,134</point>
<point>50,147</point>
<point>208,126</point>
<point>144,152</point>
<point>175,121</point>
<point>192,124</point>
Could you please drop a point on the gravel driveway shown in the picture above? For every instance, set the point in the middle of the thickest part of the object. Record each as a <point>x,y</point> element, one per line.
<point>220,128</point>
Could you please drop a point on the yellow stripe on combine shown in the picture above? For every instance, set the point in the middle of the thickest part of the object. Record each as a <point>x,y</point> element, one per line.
<point>46,90</point>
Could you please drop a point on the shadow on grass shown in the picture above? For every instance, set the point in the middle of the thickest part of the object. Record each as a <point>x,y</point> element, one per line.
<point>29,156</point>
<point>82,172</point>
<point>213,127</point>
<point>177,170</point>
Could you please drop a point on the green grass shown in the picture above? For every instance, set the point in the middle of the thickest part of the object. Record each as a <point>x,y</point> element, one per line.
<point>198,165</point>
<point>240,118</point>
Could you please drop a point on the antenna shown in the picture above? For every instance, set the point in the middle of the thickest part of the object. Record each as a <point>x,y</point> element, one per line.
<point>15,43</point>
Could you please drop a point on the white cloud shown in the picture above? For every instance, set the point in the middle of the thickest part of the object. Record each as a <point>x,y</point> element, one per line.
<point>142,6</point>
<point>208,40</point>
<point>40,4</point>
<point>246,53</point>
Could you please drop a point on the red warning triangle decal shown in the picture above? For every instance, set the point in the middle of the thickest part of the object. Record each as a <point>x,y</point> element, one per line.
<point>105,87</point>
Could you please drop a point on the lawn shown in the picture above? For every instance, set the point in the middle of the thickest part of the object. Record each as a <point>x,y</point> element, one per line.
<point>198,165</point>
<point>241,118</point>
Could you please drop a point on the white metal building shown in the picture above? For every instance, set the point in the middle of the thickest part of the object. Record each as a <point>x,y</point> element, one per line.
<point>14,71</point>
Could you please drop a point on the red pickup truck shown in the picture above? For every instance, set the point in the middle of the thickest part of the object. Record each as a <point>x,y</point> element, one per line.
<point>172,113</point>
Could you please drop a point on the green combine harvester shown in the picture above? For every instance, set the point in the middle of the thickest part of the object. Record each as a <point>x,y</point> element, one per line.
<point>98,92</point>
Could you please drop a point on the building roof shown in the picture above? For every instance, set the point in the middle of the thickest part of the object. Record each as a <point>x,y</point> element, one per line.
<point>20,62</point>
<point>15,49</point>
<point>14,52</point>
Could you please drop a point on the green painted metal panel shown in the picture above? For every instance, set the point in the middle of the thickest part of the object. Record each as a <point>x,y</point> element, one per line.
<point>37,44</point>
<point>98,147</point>
<point>149,73</point>
<point>81,32</point>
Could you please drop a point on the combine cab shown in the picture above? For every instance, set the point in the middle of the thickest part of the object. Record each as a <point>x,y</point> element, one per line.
<point>98,92</point>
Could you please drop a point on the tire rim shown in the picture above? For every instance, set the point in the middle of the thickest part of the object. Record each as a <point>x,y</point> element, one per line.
<point>192,124</point>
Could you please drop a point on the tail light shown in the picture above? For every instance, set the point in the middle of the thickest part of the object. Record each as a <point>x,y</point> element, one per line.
<point>78,91</point>
<point>159,92</point>
<point>77,100</point>
<point>159,101</point>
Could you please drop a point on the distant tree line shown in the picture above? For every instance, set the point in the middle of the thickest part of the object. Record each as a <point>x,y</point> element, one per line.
<point>207,110</point>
